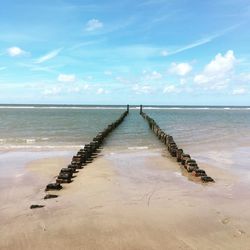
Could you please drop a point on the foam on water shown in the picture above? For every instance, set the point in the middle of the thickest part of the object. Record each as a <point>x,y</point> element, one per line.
<point>119,107</point>
<point>36,147</point>
<point>137,148</point>
<point>30,141</point>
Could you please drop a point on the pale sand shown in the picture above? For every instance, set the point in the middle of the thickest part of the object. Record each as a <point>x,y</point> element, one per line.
<point>127,200</point>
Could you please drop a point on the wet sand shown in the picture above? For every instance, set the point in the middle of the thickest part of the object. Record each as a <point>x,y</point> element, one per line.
<point>134,199</point>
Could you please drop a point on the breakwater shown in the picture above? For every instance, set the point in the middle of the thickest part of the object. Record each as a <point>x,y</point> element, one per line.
<point>185,160</point>
<point>83,157</point>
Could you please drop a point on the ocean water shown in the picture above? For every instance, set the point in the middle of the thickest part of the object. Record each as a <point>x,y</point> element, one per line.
<point>220,135</point>
<point>51,127</point>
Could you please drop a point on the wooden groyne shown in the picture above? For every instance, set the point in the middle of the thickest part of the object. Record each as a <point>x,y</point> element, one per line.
<point>83,157</point>
<point>189,164</point>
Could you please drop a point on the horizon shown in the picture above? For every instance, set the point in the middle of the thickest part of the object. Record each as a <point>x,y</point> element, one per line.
<point>122,105</point>
<point>161,52</point>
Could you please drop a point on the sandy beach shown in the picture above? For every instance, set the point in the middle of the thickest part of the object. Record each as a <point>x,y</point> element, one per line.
<point>133,199</point>
<point>124,125</point>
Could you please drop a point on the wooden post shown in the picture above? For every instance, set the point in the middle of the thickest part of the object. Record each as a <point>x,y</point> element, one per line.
<point>140,109</point>
<point>128,108</point>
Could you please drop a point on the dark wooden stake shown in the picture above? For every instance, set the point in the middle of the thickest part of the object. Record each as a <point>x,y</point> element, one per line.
<point>128,108</point>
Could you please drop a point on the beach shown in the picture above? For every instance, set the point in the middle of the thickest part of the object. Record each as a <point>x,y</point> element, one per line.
<point>124,125</point>
<point>134,195</point>
<point>126,200</point>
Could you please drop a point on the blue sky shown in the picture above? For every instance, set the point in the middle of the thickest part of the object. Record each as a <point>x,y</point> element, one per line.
<point>118,52</point>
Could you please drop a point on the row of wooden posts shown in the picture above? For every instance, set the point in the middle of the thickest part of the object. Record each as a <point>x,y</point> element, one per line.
<point>86,154</point>
<point>83,156</point>
<point>185,160</point>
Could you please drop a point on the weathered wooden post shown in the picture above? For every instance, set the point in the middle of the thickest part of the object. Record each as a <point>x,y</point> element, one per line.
<point>84,156</point>
<point>185,159</point>
<point>179,154</point>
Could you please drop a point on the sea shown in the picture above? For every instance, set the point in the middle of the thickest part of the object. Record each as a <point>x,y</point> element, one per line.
<point>219,135</point>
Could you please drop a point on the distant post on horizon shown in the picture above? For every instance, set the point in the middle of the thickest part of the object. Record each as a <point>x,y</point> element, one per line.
<point>140,109</point>
<point>128,108</point>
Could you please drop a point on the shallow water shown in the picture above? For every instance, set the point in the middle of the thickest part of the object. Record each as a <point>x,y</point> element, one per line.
<point>51,127</point>
<point>217,135</point>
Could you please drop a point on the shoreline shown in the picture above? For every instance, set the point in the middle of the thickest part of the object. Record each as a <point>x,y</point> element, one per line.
<point>134,199</point>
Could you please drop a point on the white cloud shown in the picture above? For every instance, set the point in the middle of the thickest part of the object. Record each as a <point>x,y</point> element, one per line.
<point>78,88</point>
<point>52,91</point>
<point>217,74</point>
<point>183,81</point>
<point>87,43</point>
<point>61,88</point>
<point>221,64</point>
<point>48,56</point>
<point>180,69</point>
<point>203,41</point>
<point>101,91</point>
<point>164,53</point>
<point>244,77</point>
<point>154,75</point>
<point>239,91</point>
<point>93,24</point>
<point>66,78</point>
<point>142,89</point>
<point>170,89</point>
<point>192,45</point>
<point>15,51</point>
<point>35,67</point>
<point>122,80</point>
<point>75,89</point>
<point>86,86</point>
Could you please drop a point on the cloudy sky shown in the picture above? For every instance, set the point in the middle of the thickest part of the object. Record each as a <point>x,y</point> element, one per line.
<point>117,52</point>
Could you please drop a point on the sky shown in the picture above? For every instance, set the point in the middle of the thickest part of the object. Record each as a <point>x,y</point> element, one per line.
<point>162,52</point>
